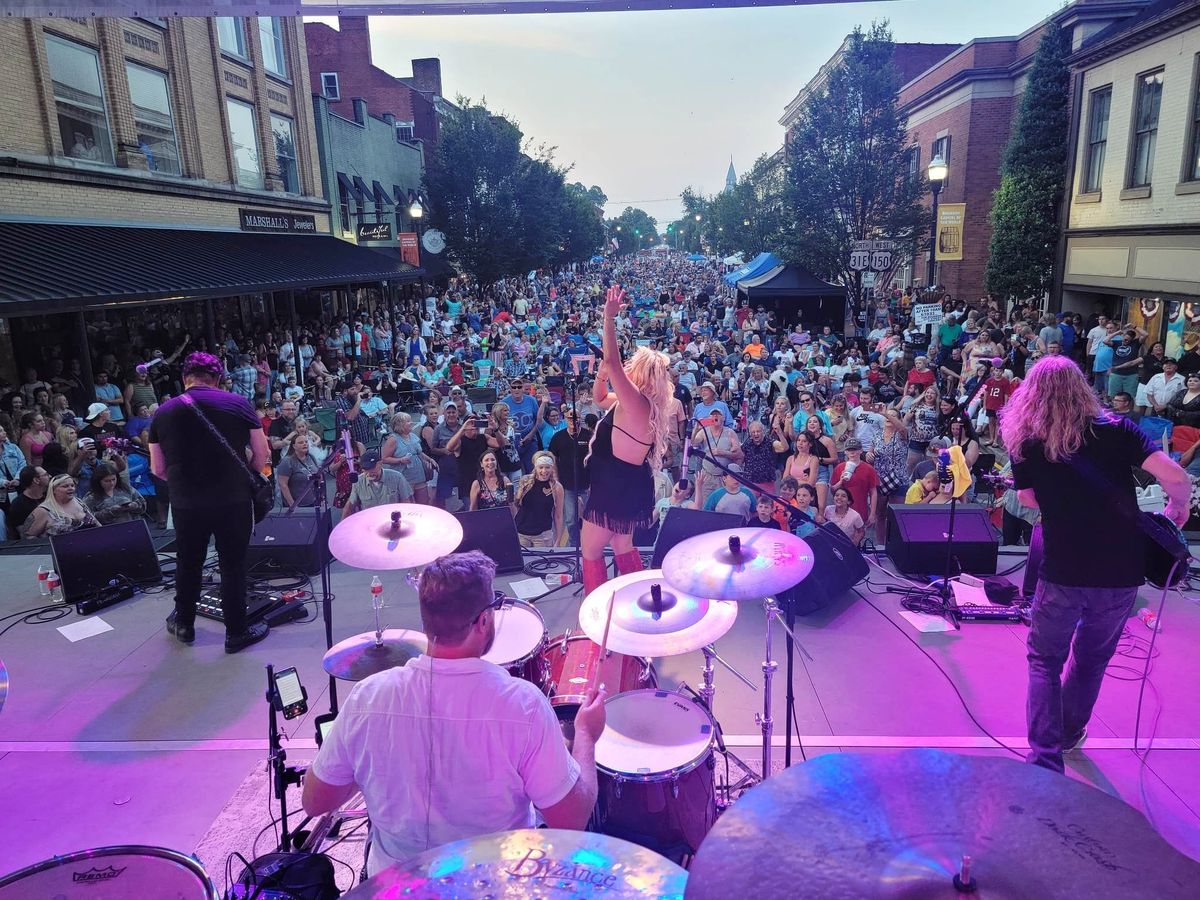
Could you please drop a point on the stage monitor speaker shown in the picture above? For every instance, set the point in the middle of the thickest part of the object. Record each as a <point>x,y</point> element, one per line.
<point>494,533</point>
<point>917,535</point>
<point>90,559</point>
<point>283,541</point>
<point>679,524</point>
<point>838,566</point>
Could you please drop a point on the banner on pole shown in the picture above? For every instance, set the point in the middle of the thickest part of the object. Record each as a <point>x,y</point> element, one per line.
<point>950,231</point>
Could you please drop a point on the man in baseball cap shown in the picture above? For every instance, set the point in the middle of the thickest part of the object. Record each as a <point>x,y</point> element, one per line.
<point>98,423</point>
<point>376,486</point>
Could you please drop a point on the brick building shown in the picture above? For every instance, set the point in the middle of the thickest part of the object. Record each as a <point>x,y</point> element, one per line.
<point>341,70</point>
<point>153,161</point>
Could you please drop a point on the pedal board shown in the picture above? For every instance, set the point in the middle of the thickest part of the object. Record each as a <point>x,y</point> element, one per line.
<point>992,614</point>
<point>258,605</point>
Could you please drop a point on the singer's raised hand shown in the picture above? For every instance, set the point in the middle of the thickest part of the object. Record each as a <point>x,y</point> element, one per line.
<point>614,299</point>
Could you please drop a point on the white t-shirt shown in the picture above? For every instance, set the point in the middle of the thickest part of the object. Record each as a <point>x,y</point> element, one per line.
<point>491,747</point>
<point>1094,337</point>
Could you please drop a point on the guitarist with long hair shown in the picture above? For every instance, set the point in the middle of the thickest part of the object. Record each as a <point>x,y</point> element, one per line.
<point>1075,463</point>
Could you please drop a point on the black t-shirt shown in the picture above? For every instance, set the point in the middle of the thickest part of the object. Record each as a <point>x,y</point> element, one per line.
<point>566,450</point>
<point>18,511</point>
<point>200,471</point>
<point>1089,508</point>
<point>279,428</point>
<point>108,429</point>
<point>471,450</point>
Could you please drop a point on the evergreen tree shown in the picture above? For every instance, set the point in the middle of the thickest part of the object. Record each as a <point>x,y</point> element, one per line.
<point>1026,207</point>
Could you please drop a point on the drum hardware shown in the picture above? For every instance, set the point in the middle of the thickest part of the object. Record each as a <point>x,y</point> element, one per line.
<point>282,774</point>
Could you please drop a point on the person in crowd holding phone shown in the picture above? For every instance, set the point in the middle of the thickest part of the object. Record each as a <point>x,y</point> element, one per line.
<point>1075,463</point>
<point>108,501</point>
<point>449,746</point>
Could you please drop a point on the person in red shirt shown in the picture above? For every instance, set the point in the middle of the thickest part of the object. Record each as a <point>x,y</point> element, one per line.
<point>996,391</point>
<point>920,373</point>
<point>862,480</point>
<point>742,314</point>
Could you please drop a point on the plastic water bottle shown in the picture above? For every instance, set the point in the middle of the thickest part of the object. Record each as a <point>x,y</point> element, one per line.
<point>43,573</point>
<point>53,585</point>
<point>1149,619</point>
<point>376,592</point>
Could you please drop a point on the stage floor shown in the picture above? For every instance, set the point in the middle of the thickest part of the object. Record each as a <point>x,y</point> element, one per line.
<point>129,737</point>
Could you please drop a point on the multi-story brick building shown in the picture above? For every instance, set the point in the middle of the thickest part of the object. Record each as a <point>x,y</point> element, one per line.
<point>341,70</point>
<point>146,160</point>
<point>1132,241</point>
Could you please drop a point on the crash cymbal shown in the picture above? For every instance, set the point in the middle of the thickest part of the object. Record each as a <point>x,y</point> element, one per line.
<point>738,563</point>
<point>3,684</point>
<point>357,657</point>
<point>680,624</point>
<point>396,536</point>
<point>857,825</point>
<point>532,862</point>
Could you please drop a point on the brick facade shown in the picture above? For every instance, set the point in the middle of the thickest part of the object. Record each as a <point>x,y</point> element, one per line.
<point>347,52</point>
<point>40,180</point>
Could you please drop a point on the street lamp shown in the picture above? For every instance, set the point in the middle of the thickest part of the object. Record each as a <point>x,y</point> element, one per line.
<point>938,170</point>
<point>697,217</point>
<point>415,209</point>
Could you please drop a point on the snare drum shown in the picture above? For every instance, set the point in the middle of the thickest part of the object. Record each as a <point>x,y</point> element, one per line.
<point>571,662</point>
<point>655,771</point>
<point>520,642</point>
<point>112,873</point>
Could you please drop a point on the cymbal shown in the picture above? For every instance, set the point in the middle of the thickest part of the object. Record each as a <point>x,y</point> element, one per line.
<point>3,684</point>
<point>531,862</point>
<point>395,536</point>
<point>684,624</point>
<point>357,657</point>
<point>898,825</point>
<point>738,563</point>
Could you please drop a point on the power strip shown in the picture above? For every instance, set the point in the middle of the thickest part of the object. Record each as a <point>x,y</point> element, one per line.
<point>990,614</point>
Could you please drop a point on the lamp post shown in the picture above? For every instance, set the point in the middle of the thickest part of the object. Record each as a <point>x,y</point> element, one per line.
<point>937,175</point>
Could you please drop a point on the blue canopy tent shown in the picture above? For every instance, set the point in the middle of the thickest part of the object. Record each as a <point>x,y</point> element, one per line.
<point>597,258</point>
<point>762,263</point>
<point>696,257</point>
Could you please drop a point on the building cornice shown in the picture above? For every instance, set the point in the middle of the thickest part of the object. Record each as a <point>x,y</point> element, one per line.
<point>1155,28</point>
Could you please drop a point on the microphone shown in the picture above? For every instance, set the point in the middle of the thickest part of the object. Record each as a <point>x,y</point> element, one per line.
<point>596,351</point>
<point>143,368</point>
<point>683,468</point>
<point>945,478</point>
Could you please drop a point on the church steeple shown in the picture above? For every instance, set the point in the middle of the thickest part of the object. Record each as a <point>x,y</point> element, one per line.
<point>730,177</point>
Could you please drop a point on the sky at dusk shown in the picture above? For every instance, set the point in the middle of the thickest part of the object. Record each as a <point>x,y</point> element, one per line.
<point>645,104</point>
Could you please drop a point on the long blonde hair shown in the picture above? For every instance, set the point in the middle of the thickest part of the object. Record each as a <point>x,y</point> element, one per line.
<point>51,503</point>
<point>1053,405</point>
<point>649,370</point>
<point>528,481</point>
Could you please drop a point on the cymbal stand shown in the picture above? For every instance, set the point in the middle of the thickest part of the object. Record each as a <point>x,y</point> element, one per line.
<point>765,719</point>
<point>705,695</point>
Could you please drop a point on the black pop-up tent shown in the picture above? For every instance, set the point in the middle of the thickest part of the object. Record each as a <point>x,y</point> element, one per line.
<point>796,294</point>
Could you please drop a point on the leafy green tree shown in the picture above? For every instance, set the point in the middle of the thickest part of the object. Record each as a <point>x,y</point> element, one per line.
<point>847,166</point>
<point>1026,207</point>
<point>634,229</point>
<point>748,218</point>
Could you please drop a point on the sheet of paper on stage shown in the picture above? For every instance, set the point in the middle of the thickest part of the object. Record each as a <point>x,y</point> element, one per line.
<point>527,588</point>
<point>926,624</point>
<point>968,595</point>
<point>84,628</point>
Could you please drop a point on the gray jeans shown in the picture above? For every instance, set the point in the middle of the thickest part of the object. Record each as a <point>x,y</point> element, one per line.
<point>1087,623</point>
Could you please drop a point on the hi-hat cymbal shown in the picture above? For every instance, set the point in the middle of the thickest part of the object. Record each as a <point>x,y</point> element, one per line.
<point>898,825</point>
<point>738,563</point>
<point>680,624</point>
<point>396,536</point>
<point>532,862</point>
<point>357,657</point>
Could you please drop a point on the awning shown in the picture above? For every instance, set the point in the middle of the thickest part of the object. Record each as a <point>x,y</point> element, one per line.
<point>789,281</point>
<point>761,263</point>
<point>364,192</point>
<point>381,193</point>
<point>53,268</point>
<point>696,257</point>
<point>350,187</point>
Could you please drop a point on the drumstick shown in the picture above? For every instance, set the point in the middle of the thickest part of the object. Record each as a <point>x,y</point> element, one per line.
<point>603,645</point>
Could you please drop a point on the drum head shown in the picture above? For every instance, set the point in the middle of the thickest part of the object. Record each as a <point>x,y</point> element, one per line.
<point>651,732</point>
<point>112,873</point>
<point>520,630</point>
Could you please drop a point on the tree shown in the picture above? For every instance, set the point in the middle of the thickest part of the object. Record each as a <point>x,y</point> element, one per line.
<point>634,229</point>
<point>847,173</point>
<point>1026,207</point>
<point>748,218</point>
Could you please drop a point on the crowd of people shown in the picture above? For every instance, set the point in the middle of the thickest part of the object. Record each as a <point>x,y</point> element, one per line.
<point>490,395</point>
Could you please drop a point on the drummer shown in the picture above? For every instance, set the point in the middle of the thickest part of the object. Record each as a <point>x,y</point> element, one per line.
<point>450,746</point>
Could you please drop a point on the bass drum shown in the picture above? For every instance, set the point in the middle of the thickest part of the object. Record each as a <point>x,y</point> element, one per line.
<point>112,873</point>
<point>655,771</point>
<point>520,640</point>
<point>570,661</point>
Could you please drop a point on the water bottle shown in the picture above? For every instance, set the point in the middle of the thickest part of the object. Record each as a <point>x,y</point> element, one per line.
<point>42,573</point>
<point>376,592</point>
<point>53,586</point>
<point>1149,619</point>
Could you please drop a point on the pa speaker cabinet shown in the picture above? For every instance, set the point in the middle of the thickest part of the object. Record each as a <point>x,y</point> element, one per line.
<point>89,559</point>
<point>917,536</point>
<point>837,566</point>
<point>290,542</point>
<point>679,524</point>
<point>494,533</point>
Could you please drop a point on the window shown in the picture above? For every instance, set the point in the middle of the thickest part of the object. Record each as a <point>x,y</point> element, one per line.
<point>941,147</point>
<point>231,35</point>
<point>152,115</point>
<point>913,155</point>
<point>1145,128</point>
<point>247,166</point>
<point>285,153</point>
<point>405,131</point>
<point>344,206</point>
<point>329,85</point>
<point>1192,162</point>
<point>1097,138</point>
<point>270,30</point>
<point>79,101</point>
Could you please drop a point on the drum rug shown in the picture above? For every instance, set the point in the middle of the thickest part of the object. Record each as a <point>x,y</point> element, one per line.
<point>239,828</point>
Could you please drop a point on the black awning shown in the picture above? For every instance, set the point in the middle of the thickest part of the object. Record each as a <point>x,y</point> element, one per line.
<point>350,186</point>
<point>365,192</point>
<point>381,195</point>
<point>61,268</point>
